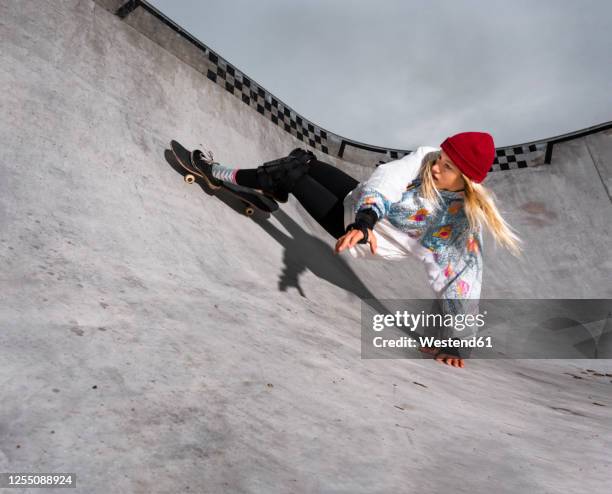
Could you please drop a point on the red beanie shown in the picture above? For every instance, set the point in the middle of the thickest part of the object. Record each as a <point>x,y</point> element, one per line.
<point>472,152</point>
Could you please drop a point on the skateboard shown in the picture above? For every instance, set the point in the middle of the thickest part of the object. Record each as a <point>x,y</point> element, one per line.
<point>250,199</point>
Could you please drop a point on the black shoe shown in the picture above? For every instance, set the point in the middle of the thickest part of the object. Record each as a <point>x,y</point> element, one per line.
<point>203,164</point>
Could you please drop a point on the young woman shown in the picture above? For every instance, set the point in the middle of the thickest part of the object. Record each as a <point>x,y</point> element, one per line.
<point>429,204</point>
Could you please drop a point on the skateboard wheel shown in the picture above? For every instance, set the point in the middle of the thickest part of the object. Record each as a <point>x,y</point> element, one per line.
<point>189,179</point>
<point>249,211</point>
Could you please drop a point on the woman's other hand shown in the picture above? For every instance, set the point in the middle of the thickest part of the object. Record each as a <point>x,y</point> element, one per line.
<point>352,237</point>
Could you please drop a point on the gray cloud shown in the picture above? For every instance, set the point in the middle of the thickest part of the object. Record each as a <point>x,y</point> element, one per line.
<point>406,73</point>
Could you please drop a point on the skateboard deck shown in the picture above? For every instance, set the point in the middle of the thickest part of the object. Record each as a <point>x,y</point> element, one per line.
<point>250,198</point>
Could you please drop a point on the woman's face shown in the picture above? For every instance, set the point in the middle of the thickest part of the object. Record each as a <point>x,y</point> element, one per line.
<point>446,175</point>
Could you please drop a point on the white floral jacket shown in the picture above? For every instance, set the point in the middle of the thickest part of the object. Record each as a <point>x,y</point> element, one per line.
<point>408,225</point>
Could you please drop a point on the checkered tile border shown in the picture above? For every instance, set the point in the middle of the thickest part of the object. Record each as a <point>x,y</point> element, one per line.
<point>510,158</point>
<point>265,103</point>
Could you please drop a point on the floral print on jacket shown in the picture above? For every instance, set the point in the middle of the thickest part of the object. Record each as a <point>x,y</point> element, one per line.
<point>445,232</point>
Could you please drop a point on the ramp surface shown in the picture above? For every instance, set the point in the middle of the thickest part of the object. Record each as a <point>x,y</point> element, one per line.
<point>153,339</point>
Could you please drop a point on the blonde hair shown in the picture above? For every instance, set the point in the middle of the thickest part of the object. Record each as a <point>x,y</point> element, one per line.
<point>479,202</point>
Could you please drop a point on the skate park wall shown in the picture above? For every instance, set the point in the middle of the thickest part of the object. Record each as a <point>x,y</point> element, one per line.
<point>522,210</point>
<point>156,340</point>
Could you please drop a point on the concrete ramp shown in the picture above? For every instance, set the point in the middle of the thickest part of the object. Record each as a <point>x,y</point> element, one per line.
<point>154,339</point>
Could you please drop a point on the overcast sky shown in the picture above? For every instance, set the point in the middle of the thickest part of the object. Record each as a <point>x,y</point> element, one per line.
<point>405,73</point>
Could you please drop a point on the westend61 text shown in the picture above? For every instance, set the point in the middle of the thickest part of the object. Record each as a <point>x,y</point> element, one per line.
<point>432,342</point>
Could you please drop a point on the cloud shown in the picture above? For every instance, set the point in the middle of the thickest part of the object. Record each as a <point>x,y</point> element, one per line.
<point>405,73</point>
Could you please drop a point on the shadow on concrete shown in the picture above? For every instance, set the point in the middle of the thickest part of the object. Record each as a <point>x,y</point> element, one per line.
<point>302,250</point>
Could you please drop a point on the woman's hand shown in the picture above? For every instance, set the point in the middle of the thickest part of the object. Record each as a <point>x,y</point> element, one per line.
<point>352,237</point>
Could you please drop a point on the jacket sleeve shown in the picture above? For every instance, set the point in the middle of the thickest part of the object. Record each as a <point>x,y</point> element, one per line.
<point>389,181</point>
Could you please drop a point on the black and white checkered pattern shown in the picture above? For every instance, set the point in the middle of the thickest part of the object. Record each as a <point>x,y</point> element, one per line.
<point>521,156</point>
<point>265,103</point>
<point>510,158</point>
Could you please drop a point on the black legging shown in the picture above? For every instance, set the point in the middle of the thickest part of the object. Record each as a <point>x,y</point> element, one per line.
<point>321,192</point>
